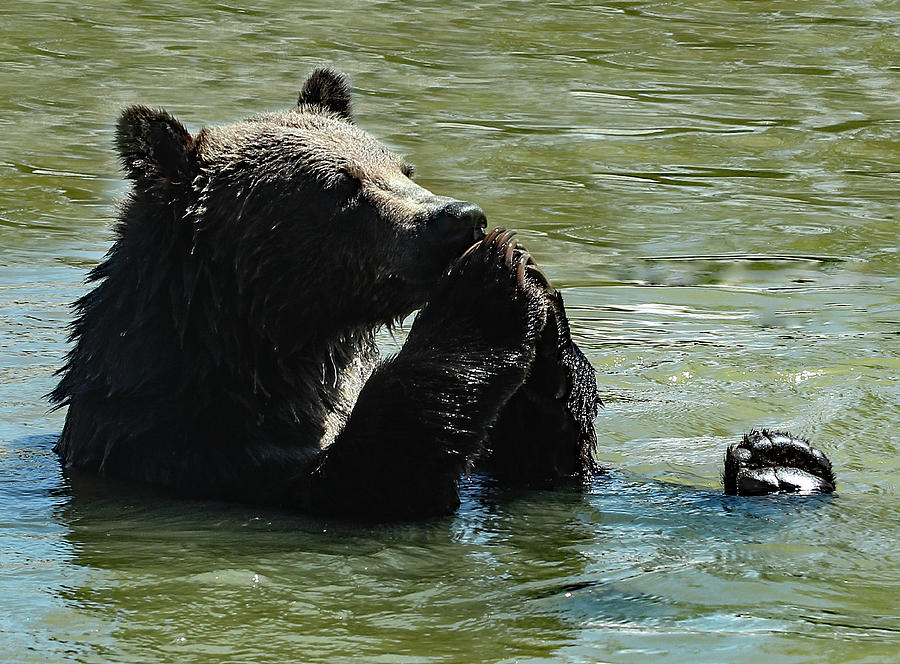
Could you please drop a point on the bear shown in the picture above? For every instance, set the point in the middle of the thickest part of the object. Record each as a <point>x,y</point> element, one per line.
<point>227,347</point>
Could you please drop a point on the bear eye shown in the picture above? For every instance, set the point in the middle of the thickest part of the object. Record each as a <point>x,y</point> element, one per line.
<point>348,179</point>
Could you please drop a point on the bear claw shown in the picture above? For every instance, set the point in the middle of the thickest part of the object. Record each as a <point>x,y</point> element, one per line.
<point>514,255</point>
<point>524,256</point>
<point>510,250</point>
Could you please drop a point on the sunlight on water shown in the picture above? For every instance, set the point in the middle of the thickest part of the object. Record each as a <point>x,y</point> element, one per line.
<point>714,187</point>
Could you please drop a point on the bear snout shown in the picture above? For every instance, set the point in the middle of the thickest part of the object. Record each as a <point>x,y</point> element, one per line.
<point>459,223</point>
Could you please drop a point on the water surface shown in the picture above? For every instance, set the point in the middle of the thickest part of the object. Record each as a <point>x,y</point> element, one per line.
<point>714,187</point>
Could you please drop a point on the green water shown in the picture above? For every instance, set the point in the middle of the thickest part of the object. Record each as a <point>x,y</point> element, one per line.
<point>715,187</point>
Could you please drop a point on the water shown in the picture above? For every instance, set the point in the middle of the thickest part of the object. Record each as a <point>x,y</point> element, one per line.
<point>714,186</point>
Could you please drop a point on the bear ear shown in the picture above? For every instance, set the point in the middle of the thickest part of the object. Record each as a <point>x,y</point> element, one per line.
<point>329,90</point>
<point>155,147</point>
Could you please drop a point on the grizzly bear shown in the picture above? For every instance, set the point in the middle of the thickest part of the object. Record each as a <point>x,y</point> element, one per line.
<point>227,349</point>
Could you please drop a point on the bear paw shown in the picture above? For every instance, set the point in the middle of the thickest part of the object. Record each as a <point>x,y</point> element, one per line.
<point>497,288</point>
<point>501,243</point>
<point>767,462</point>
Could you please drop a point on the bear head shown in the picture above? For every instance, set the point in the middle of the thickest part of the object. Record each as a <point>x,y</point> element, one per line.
<point>291,221</point>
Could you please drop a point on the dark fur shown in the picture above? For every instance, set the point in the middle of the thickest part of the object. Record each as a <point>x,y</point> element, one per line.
<point>222,349</point>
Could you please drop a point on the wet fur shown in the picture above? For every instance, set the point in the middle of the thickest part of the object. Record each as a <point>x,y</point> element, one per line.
<point>227,347</point>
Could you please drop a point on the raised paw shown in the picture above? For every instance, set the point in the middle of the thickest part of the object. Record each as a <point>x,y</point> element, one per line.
<point>497,285</point>
<point>499,244</point>
<point>545,433</point>
<point>766,462</point>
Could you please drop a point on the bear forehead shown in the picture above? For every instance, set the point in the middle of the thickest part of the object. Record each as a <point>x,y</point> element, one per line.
<point>294,142</point>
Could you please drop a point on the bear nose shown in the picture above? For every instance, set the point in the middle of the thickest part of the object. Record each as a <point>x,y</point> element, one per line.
<point>462,219</point>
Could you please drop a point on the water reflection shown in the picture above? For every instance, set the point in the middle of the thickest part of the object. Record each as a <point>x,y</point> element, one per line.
<point>513,574</point>
<point>263,578</point>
